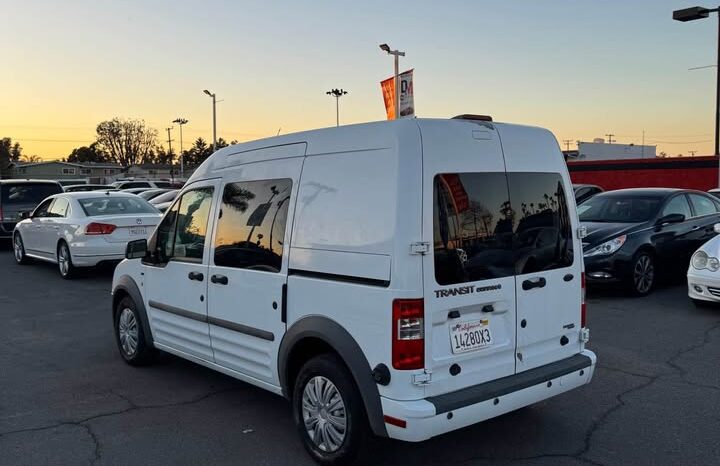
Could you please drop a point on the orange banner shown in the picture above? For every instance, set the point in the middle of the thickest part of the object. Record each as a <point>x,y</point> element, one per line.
<point>407,104</point>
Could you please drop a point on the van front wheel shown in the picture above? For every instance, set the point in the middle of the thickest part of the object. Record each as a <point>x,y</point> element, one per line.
<point>328,411</point>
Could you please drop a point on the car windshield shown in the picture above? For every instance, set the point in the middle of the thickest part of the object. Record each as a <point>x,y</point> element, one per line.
<point>166,197</point>
<point>113,205</point>
<point>620,209</point>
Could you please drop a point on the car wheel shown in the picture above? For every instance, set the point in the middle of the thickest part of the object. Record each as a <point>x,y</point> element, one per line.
<point>129,334</point>
<point>643,274</point>
<point>64,260</point>
<point>19,250</point>
<point>328,411</point>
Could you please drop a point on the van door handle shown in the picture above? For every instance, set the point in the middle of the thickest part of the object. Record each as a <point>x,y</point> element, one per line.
<point>196,276</point>
<point>534,283</point>
<point>219,279</point>
<point>696,227</point>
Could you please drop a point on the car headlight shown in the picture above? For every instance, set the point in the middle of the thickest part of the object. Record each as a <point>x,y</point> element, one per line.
<point>608,247</point>
<point>700,260</point>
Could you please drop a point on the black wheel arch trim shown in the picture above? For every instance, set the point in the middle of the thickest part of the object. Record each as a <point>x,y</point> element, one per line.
<point>347,348</point>
<point>127,284</point>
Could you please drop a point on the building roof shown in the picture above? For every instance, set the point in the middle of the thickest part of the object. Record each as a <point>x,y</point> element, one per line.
<point>73,164</point>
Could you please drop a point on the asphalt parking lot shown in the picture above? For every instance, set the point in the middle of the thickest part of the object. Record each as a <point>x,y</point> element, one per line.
<point>66,397</point>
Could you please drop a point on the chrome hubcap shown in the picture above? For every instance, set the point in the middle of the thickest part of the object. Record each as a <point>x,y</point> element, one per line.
<point>64,260</point>
<point>18,247</point>
<point>324,414</point>
<point>128,332</point>
<point>643,274</point>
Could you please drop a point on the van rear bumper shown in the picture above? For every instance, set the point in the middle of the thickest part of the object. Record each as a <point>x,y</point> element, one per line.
<point>437,415</point>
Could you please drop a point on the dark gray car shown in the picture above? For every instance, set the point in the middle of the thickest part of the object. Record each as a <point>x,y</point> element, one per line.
<point>17,196</point>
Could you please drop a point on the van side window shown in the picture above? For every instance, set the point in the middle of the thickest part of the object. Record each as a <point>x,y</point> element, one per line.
<point>251,225</point>
<point>493,225</point>
<point>543,233</point>
<point>181,234</point>
<point>473,226</point>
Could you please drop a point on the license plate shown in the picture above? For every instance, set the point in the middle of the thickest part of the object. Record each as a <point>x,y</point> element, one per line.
<point>469,336</point>
<point>137,231</point>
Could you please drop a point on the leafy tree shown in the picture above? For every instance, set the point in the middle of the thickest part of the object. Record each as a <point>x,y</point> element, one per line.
<point>88,154</point>
<point>9,153</point>
<point>30,158</point>
<point>127,142</point>
<point>162,156</point>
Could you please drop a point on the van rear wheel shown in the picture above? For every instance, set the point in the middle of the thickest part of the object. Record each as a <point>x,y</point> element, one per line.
<point>328,411</point>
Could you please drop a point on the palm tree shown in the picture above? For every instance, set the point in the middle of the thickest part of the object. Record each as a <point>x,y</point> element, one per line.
<point>30,158</point>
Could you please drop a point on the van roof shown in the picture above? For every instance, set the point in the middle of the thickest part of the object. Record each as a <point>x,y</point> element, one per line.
<point>361,136</point>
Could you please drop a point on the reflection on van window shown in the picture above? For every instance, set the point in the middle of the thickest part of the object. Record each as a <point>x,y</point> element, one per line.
<point>492,225</point>
<point>181,234</point>
<point>251,225</point>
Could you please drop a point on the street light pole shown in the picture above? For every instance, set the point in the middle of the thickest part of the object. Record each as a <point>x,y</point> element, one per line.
<point>692,14</point>
<point>214,119</point>
<point>337,93</point>
<point>397,54</point>
<point>181,122</point>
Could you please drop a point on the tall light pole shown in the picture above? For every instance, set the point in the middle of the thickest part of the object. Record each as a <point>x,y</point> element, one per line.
<point>692,14</point>
<point>214,119</point>
<point>337,93</point>
<point>180,122</point>
<point>397,54</point>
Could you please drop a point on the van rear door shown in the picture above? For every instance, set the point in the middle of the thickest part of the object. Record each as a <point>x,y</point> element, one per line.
<point>548,257</point>
<point>468,276</point>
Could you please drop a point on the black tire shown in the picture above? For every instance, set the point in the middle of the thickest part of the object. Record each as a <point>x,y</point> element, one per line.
<point>127,320</point>
<point>19,250</point>
<point>356,431</point>
<point>64,260</point>
<point>643,274</point>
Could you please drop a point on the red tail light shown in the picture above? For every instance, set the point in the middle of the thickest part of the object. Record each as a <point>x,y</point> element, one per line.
<point>583,306</point>
<point>408,334</point>
<point>96,228</point>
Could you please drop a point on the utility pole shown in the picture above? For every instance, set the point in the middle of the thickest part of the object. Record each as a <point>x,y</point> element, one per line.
<point>610,138</point>
<point>337,93</point>
<point>397,54</point>
<point>211,94</point>
<point>169,140</point>
<point>567,143</point>
<point>181,122</point>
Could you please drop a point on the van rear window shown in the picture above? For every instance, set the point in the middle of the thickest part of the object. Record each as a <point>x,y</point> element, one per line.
<point>27,193</point>
<point>492,225</point>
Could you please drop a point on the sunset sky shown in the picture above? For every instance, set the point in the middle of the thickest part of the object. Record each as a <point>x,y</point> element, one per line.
<point>580,68</point>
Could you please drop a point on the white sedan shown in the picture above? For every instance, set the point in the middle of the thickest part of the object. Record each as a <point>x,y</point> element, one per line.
<point>703,275</point>
<point>83,229</point>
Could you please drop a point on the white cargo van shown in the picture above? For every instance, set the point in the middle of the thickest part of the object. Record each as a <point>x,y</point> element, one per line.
<point>403,278</point>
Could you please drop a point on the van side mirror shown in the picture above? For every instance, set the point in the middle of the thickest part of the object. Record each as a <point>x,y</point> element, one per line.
<point>670,218</point>
<point>716,227</point>
<point>136,249</point>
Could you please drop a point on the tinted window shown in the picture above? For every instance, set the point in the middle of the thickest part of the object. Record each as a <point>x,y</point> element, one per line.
<point>161,244</point>
<point>618,209</point>
<point>251,225</point>
<point>42,209</point>
<point>473,227</point>
<point>135,184</point>
<point>112,205</point>
<point>58,208</point>
<point>192,219</point>
<point>677,205</point>
<point>30,193</point>
<point>163,184</point>
<point>703,205</point>
<point>543,237</point>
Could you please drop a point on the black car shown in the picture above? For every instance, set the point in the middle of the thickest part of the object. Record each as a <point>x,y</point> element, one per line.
<point>635,234</point>
<point>18,196</point>
<point>585,191</point>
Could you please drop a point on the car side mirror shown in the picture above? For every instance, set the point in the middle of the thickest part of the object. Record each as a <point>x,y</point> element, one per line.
<point>670,218</point>
<point>25,214</point>
<point>136,249</point>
